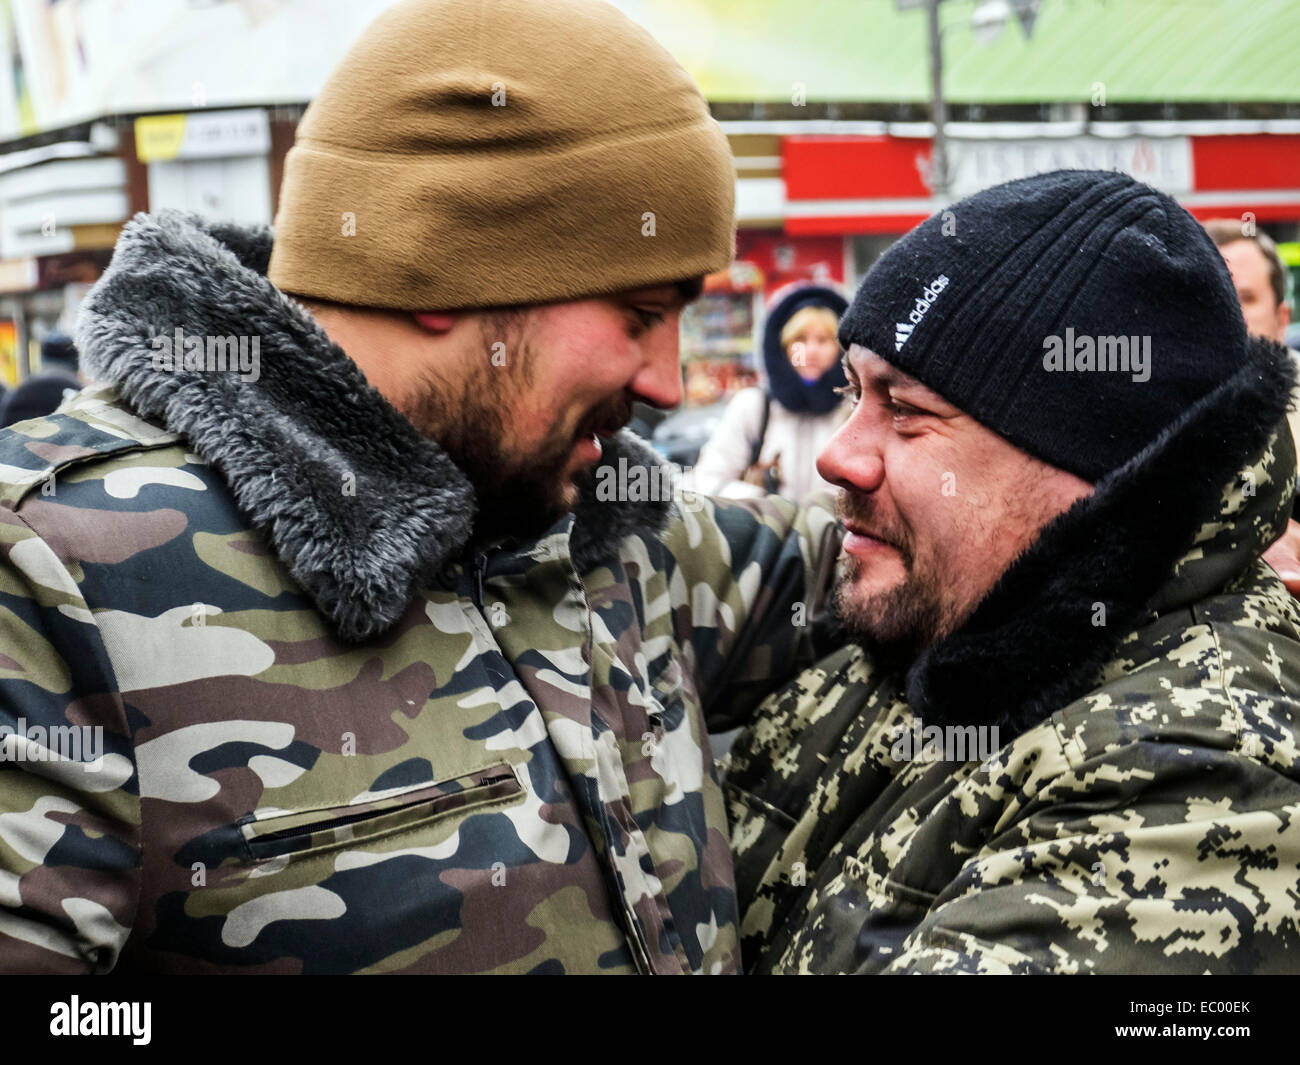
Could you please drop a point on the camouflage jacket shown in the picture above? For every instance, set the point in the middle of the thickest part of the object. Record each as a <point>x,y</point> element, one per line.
<point>261,713</point>
<point>1100,772</point>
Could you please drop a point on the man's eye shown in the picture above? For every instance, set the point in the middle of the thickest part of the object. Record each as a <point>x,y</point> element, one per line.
<point>648,319</point>
<point>849,391</point>
<point>899,410</point>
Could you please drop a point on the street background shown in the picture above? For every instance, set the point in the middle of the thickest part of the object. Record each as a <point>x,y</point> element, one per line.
<point>109,107</point>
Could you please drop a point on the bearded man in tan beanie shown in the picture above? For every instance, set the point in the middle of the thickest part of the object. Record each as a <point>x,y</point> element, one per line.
<point>473,155</point>
<point>385,672</point>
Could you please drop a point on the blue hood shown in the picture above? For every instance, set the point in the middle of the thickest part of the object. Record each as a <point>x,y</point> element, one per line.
<point>783,381</point>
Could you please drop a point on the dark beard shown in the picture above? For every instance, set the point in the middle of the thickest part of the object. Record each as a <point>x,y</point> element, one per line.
<point>517,498</point>
<point>897,624</point>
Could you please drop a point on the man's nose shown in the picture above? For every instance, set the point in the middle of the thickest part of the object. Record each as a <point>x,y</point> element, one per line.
<point>659,381</point>
<point>853,459</point>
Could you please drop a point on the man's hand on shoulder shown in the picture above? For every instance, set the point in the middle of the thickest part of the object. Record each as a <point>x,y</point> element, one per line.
<point>1284,557</point>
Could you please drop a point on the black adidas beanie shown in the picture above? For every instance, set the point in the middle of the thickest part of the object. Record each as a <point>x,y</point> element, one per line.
<point>1075,313</point>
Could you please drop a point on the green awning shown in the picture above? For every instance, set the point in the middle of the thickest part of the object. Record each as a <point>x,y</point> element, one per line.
<point>1210,51</point>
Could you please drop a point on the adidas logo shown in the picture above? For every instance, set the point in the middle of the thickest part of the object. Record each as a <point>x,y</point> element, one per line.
<point>903,330</point>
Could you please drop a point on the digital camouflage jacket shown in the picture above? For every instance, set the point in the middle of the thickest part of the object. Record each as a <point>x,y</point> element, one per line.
<point>261,713</point>
<point>1099,772</point>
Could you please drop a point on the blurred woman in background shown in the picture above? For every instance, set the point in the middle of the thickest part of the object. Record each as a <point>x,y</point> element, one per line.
<point>770,436</point>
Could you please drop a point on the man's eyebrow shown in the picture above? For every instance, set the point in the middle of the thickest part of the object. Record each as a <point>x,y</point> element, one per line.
<point>898,379</point>
<point>672,295</point>
<point>883,375</point>
<point>888,376</point>
<point>690,290</point>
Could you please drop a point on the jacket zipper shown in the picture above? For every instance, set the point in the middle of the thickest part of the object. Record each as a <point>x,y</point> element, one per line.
<point>480,567</point>
<point>634,933</point>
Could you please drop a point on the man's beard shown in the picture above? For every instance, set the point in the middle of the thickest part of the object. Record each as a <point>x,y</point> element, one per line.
<point>518,497</point>
<point>899,622</point>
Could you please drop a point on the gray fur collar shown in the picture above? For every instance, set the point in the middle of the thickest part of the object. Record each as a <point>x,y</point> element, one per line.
<point>288,442</point>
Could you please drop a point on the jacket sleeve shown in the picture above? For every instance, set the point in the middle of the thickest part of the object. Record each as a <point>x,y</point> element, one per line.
<point>1171,879</point>
<point>751,575</point>
<point>725,458</point>
<point>69,807</point>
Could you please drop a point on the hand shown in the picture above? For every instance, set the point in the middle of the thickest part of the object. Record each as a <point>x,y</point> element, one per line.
<point>1284,556</point>
<point>758,474</point>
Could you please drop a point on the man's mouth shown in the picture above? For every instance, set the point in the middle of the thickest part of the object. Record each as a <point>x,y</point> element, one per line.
<point>863,532</point>
<point>598,435</point>
<point>861,542</point>
<point>602,426</point>
<point>602,430</point>
<point>589,442</point>
<point>588,448</point>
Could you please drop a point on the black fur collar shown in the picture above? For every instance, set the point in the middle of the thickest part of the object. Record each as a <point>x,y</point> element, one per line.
<point>1032,645</point>
<point>286,443</point>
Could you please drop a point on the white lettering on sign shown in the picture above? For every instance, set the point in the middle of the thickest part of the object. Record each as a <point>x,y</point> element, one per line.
<point>1164,162</point>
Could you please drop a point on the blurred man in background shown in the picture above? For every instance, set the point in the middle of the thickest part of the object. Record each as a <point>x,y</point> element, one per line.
<point>41,393</point>
<point>1258,274</point>
<point>1260,278</point>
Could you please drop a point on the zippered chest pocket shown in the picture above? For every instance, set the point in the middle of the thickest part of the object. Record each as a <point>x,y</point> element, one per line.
<point>302,832</point>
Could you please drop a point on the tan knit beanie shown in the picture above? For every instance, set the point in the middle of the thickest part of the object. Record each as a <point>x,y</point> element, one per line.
<point>474,153</point>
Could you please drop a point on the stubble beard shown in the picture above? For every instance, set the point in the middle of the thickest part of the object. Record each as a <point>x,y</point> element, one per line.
<point>895,623</point>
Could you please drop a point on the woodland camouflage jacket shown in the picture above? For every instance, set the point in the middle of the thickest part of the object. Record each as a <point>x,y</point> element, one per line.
<point>1137,808</point>
<point>331,742</point>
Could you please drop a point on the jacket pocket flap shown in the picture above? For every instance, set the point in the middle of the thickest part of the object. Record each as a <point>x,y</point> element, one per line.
<point>281,832</point>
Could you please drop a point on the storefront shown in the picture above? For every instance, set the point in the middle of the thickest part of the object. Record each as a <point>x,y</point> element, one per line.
<point>823,207</point>
<point>61,208</point>
<point>880,184</point>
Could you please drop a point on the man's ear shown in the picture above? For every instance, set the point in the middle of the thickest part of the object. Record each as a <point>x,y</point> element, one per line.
<point>435,321</point>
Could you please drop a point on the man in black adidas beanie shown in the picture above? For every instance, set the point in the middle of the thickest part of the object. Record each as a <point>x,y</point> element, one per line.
<point>1062,733</point>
